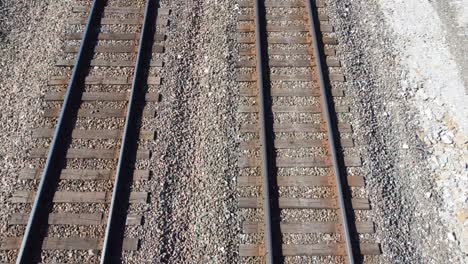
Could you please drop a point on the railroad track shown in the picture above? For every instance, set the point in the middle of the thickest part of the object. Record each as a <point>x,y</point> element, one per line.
<point>83,202</point>
<point>295,181</point>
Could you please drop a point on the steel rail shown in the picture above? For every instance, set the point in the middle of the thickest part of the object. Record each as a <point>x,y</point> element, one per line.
<point>331,131</point>
<point>127,137</point>
<point>32,236</point>
<point>268,233</point>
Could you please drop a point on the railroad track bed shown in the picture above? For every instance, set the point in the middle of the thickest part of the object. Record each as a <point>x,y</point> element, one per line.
<point>82,191</point>
<point>305,213</point>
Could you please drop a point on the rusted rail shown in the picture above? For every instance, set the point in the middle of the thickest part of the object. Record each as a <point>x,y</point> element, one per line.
<point>331,133</point>
<point>268,233</point>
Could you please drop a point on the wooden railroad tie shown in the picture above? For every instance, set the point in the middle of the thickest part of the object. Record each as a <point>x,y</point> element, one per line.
<point>115,36</point>
<point>288,92</point>
<point>89,153</point>
<point>329,51</point>
<point>292,109</point>
<point>288,40</point>
<point>252,77</point>
<point>308,227</point>
<point>245,28</point>
<point>329,249</point>
<point>283,181</point>
<point>69,243</point>
<point>161,21</point>
<point>302,162</point>
<point>280,4</point>
<point>92,133</point>
<point>331,62</point>
<point>98,113</point>
<point>286,17</point>
<point>121,10</point>
<point>296,127</point>
<point>106,63</point>
<point>114,49</point>
<point>294,143</point>
<point>101,96</point>
<point>303,203</point>
<point>78,197</point>
<point>82,174</point>
<point>73,219</point>
<point>102,80</point>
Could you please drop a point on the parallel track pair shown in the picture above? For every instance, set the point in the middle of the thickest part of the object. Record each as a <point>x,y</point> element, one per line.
<point>274,69</point>
<point>61,157</point>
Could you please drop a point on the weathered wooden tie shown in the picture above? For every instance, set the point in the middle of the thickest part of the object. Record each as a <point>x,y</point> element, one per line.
<point>102,80</point>
<point>68,243</point>
<point>330,249</point>
<point>78,197</point>
<point>82,174</point>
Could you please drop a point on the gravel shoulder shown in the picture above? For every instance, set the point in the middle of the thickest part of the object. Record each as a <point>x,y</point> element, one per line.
<point>29,45</point>
<point>409,103</point>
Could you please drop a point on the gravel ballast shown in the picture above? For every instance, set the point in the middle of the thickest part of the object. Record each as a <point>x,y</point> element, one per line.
<point>29,45</point>
<point>408,105</point>
<point>404,86</point>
